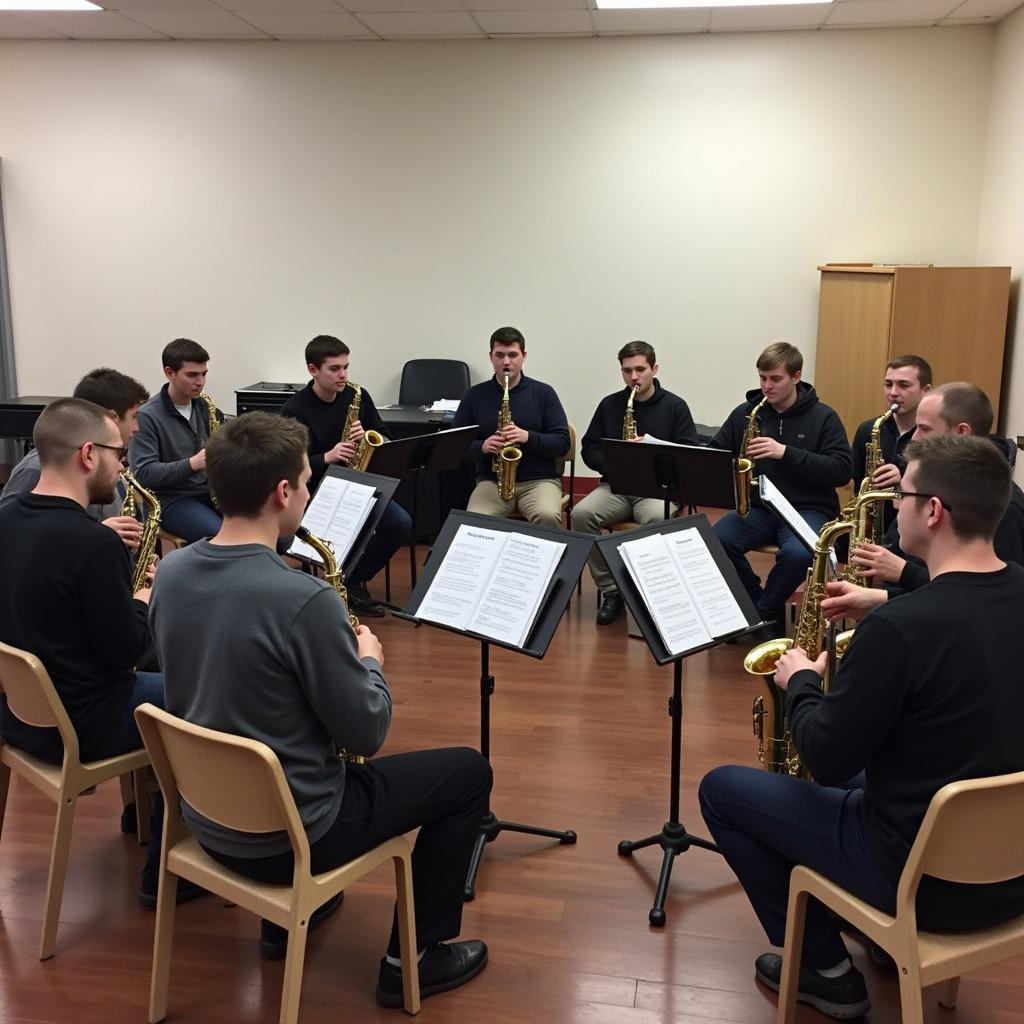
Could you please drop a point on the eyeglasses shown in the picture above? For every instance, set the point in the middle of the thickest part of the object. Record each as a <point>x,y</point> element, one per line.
<point>122,450</point>
<point>899,494</point>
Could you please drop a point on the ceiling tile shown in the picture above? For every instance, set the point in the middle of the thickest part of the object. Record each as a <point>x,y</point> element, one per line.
<point>535,23</point>
<point>17,26</point>
<point>985,9</point>
<point>694,19</point>
<point>94,25</point>
<point>753,19</point>
<point>450,25</point>
<point>273,6</point>
<point>128,6</point>
<point>198,24</point>
<point>309,25</point>
<point>889,12</point>
<point>402,6</point>
<point>527,5</point>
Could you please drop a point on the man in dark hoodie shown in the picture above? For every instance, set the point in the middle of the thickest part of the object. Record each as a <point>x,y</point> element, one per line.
<point>657,412</point>
<point>539,428</point>
<point>802,449</point>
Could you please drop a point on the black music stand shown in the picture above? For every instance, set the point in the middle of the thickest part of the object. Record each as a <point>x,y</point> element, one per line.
<point>409,458</point>
<point>552,607</point>
<point>673,837</point>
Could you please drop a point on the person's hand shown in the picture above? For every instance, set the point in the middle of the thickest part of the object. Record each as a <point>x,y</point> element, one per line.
<point>845,600</point>
<point>127,528</point>
<point>640,437</point>
<point>515,435</point>
<point>765,448</point>
<point>341,452</point>
<point>198,461</point>
<point>887,475</point>
<point>154,561</point>
<point>368,645</point>
<point>355,432</point>
<point>493,444</point>
<point>796,660</point>
<point>878,563</point>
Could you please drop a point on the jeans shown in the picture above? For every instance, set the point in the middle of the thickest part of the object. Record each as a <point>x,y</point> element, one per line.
<point>191,519</point>
<point>765,824</point>
<point>393,531</point>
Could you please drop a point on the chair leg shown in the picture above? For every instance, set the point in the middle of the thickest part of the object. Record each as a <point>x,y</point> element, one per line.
<point>948,993</point>
<point>911,1004</point>
<point>407,933</point>
<point>5,785</point>
<point>140,780</point>
<point>293,965</point>
<point>58,871</point>
<point>791,955</point>
<point>163,937</point>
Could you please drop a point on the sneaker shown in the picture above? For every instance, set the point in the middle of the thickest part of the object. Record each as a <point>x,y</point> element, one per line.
<point>360,602</point>
<point>611,607</point>
<point>444,966</point>
<point>274,938</point>
<point>842,998</point>
<point>186,891</point>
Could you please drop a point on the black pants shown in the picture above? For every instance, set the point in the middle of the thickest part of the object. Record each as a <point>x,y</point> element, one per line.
<point>444,793</point>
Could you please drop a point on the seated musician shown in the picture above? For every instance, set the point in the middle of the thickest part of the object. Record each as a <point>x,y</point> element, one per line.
<point>802,449</point>
<point>291,673</point>
<point>655,411</point>
<point>926,695</point>
<point>323,406</point>
<point>539,429</point>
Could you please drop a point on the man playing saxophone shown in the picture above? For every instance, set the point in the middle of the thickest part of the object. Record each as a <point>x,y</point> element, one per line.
<point>655,411</point>
<point>539,429</point>
<point>927,694</point>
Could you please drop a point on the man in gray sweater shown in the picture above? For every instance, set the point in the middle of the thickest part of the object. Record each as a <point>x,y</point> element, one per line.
<point>291,673</point>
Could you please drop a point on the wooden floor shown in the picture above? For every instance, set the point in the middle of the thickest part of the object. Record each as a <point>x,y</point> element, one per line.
<point>579,740</point>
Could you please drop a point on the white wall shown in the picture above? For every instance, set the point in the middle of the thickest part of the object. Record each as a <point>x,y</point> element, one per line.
<point>1001,235</point>
<point>411,197</point>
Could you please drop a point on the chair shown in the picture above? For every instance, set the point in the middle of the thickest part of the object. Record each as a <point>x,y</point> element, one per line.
<point>32,698</point>
<point>426,380</point>
<point>973,832</point>
<point>172,539</point>
<point>240,783</point>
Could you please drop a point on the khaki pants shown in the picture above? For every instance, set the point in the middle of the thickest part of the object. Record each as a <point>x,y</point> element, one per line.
<point>539,501</point>
<point>601,508</point>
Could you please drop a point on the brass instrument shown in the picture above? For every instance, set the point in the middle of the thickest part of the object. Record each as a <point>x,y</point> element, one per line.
<point>134,491</point>
<point>506,463</point>
<point>775,748</point>
<point>212,427</point>
<point>872,460</point>
<point>371,439</point>
<point>745,466</point>
<point>629,420</point>
<point>336,578</point>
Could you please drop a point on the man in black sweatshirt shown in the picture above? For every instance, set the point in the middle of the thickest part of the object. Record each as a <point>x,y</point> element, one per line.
<point>539,428</point>
<point>927,694</point>
<point>657,413</point>
<point>802,449</point>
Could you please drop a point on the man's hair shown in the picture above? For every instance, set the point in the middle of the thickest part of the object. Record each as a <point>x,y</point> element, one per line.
<point>508,336</point>
<point>249,456</point>
<point>322,348</point>
<point>182,351</point>
<point>965,403</point>
<point>638,348</point>
<point>111,390</point>
<point>970,474</point>
<point>65,425</point>
<point>923,367</point>
<point>781,353</point>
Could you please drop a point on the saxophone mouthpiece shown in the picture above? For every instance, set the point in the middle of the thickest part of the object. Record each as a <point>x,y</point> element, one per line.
<point>302,533</point>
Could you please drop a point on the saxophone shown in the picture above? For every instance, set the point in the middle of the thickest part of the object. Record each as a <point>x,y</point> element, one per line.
<point>371,439</point>
<point>336,578</point>
<point>775,748</point>
<point>506,462</point>
<point>629,420</point>
<point>213,425</point>
<point>745,466</point>
<point>150,528</point>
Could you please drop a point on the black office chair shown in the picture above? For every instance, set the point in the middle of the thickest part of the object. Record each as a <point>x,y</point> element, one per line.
<point>426,380</point>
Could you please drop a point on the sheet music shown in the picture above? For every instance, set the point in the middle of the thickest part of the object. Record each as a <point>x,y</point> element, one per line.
<point>716,603</point>
<point>492,582</point>
<point>775,499</point>
<point>337,513</point>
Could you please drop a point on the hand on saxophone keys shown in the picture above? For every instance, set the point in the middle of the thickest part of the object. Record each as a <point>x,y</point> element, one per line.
<point>887,475</point>
<point>878,563</point>
<point>515,435</point>
<point>765,448</point>
<point>368,646</point>
<point>493,444</point>
<point>796,660</point>
<point>127,528</point>
<point>341,452</point>
<point>848,601</point>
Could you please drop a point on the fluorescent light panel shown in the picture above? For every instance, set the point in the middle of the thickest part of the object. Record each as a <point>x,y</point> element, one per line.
<point>608,5</point>
<point>48,5</point>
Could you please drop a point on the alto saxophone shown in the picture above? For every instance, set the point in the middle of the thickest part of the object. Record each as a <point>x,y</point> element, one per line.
<point>134,491</point>
<point>371,439</point>
<point>745,466</point>
<point>336,578</point>
<point>506,463</point>
<point>775,749</point>
<point>213,425</point>
<point>629,420</point>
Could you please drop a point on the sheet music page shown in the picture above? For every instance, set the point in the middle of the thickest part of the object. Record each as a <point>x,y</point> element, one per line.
<point>512,598</point>
<point>658,578</point>
<point>773,497</point>
<point>716,603</point>
<point>337,513</point>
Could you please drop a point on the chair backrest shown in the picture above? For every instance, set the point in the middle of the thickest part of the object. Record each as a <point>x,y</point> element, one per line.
<point>236,782</point>
<point>427,380</point>
<point>570,452</point>
<point>32,697</point>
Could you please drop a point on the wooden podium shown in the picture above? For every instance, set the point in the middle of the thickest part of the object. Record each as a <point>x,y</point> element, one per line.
<point>955,317</point>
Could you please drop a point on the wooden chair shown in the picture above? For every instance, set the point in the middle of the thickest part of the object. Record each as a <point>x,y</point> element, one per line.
<point>171,540</point>
<point>240,783</point>
<point>973,832</point>
<point>32,698</point>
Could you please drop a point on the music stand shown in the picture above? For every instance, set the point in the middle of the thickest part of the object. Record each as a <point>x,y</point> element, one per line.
<point>673,837</point>
<point>411,457</point>
<point>553,606</point>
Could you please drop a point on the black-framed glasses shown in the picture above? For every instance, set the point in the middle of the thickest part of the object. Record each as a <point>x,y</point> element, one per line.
<point>899,494</point>
<point>122,450</point>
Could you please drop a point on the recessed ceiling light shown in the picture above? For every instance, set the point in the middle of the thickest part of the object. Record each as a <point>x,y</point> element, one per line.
<point>641,4</point>
<point>48,5</point>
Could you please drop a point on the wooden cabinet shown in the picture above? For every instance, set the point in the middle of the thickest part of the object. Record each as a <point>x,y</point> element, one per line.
<point>955,317</point>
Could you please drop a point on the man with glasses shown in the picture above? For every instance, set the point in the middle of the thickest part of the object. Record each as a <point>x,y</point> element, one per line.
<point>926,695</point>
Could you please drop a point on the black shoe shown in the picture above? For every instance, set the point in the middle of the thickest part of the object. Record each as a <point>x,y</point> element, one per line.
<point>274,938</point>
<point>186,891</point>
<point>129,823</point>
<point>611,607</point>
<point>842,998</point>
<point>360,602</point>
<point>445,965</point>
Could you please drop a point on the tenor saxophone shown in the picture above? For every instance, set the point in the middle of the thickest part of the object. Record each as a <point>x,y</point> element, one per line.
<point>371,439</point>
<point>629,420</point>
<point>506,463</point>
<point>134,492</point>
<point>745,466</point>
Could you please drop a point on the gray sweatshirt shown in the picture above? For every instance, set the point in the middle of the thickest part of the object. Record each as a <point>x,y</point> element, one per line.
<point>252,647</point>
<point>25,476</point>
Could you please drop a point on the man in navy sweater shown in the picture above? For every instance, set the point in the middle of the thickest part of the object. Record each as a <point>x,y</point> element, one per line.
<point>539,428</point>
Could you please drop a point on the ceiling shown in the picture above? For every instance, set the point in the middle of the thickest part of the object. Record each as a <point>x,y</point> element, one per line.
<point>470,19</point>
